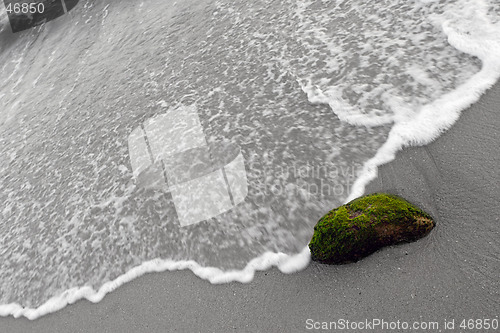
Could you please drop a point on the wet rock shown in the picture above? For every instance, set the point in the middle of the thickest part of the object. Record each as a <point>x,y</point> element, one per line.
<point>364,225</point>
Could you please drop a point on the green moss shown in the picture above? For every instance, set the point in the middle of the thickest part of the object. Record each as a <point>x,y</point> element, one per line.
<point>366,224</point>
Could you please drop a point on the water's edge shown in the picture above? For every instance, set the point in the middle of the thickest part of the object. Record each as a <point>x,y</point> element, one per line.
<point>426,128</point>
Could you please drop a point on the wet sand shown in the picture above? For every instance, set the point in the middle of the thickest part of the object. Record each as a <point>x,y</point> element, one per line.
<point>450,275</point>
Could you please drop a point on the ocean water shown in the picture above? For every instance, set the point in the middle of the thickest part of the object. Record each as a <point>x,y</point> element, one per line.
<point>316,95</point>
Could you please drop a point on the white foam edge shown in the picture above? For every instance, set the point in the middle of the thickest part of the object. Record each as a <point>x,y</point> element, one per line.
<point>285,263</point>
<point>422,130</point>
<point>428,124</point>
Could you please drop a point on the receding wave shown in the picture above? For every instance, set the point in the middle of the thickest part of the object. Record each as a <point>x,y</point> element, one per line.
<point>315,95</point>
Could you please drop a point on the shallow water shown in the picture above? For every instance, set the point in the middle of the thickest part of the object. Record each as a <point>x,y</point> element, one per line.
<point>308,91</point>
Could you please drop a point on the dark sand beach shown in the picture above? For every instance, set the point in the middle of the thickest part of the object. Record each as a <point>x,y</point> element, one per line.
<point>450,275</point>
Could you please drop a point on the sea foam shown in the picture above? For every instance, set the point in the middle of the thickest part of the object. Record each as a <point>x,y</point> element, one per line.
<point>468,27</point>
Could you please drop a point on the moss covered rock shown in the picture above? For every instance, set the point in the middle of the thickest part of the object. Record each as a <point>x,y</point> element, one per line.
<point>364,225</point>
